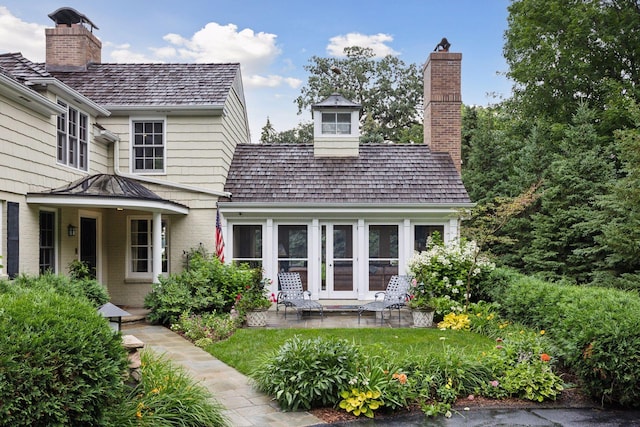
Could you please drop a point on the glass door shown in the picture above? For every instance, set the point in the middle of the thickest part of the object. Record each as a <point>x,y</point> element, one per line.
<point>338,278</point>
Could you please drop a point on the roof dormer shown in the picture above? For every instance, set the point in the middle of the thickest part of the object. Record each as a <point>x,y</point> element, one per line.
<point>336,127</point>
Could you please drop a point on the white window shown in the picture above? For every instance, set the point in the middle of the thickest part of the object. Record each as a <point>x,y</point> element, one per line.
<point>140,255</point>
<point>73,137</point>
<point>148,146</point>
<point>336,123</point>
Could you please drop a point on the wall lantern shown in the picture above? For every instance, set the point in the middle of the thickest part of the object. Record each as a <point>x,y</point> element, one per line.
<point>71,230</point>
<point>114,314</point>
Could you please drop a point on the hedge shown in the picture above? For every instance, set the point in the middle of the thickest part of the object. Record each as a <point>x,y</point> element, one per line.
<point>60,362</point>
<point>596,332</point>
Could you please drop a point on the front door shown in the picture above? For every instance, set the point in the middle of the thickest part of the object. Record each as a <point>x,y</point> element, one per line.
<point>88,244</point>
<point>338,272</point>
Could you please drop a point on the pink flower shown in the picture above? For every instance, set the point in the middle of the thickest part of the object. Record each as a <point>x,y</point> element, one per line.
<point>494,383</point>
<point>499,347</point>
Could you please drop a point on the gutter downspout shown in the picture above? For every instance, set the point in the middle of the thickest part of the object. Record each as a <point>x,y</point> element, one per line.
<point>116,167</point>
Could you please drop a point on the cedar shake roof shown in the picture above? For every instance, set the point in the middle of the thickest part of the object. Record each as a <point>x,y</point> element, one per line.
<point>153,84</point>
<point>382,174</point>
<point>137,84</point>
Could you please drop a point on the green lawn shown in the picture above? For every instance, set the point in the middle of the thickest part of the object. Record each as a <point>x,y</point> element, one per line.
<point>246,346</point>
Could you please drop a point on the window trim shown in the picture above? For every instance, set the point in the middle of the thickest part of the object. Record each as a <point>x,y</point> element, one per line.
<point>81,136</point>
<point>132,157</point>
<point>129,274</point>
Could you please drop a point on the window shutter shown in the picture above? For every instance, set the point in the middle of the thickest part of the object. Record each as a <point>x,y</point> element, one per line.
<point>13,239</point>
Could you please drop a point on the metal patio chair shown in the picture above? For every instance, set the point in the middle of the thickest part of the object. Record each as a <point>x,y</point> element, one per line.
<point>292,295</point>
<point>395,297</point>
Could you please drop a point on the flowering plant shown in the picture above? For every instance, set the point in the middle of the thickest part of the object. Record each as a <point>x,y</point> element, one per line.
<point>420,296</point>
<point>256,296</point>
<point>448,271</point>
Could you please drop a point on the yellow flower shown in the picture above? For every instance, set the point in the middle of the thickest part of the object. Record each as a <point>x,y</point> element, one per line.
<point>542,332</point>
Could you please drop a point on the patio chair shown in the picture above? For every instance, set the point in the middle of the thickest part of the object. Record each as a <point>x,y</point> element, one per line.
<point>395,297</point>
<point>292,295</point>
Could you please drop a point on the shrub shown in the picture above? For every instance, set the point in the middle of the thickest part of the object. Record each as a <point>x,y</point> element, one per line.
<point>204,329</point>
<point>307,373</point>
<point>596,332</point>
<point>445,270</point>
<point>206,286</point>
<point>167,396</point>
<point>87,288</point>
<point>60,362</point>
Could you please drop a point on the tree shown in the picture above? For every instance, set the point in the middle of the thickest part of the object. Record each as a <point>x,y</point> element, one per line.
<point>562,53</point>
<point>564,234</point>
<point>301,134</point>
<point>389,91</point>
<point>268,132</point>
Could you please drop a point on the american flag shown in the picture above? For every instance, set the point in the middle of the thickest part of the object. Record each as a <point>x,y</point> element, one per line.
<point>219,239</point>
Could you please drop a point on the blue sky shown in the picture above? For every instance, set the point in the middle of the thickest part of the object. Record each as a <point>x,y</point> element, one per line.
<point>274,39</point>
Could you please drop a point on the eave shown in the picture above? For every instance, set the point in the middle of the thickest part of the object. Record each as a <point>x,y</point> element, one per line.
<point>174,110</point>
<point>162,206</point>
<point>57,87</point>
<point>27,97</point>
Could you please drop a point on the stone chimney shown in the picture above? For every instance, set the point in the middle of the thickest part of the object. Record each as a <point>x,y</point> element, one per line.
<point>443,104</point>
<point>71,46</point>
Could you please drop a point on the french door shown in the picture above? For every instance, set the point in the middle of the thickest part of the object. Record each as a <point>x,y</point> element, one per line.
<point>338,278</point>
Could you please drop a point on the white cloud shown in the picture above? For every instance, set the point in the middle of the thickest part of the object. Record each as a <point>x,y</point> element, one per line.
<point>19,36</point>
<point>219,43</point>
<point>271,81</point>
<point>376,42</point>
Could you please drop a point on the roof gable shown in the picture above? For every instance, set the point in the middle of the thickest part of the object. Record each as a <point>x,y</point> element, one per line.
<point>382,174</point>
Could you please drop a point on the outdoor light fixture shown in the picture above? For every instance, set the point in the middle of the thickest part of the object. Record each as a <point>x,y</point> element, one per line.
<point>114,314</point>
<point>71,230</point>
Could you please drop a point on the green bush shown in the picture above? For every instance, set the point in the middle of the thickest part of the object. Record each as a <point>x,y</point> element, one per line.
<point>204,329</point>
<point>87,288</point>
<point>60,362</point>
<point>307,373</point>
<point>168,396</point>
<point>206,286</point>
<point>596,332</point>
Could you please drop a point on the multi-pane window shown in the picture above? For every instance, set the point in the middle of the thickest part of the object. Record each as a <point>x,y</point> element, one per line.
<point>148,146</point>
<point>247,245</point>
<point>141,247</point>
<point>73,138</point>
<point>47,241</point>
<point>336,123</point>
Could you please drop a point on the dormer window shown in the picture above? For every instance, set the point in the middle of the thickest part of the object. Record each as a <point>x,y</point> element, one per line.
<point>336,123</point>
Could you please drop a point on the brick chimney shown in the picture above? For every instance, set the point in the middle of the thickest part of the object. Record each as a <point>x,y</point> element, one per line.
<point>71,46</point>
<point>443,104</point>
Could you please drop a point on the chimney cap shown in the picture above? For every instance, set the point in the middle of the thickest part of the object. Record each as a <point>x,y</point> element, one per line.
<point>69,16</point>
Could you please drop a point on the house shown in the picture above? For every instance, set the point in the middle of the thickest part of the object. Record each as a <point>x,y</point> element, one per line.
<point>124,166</point>
<point>118,165</point>
<point>347,216</point>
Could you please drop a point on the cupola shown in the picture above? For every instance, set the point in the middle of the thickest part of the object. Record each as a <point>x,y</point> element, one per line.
<point>336,127</point>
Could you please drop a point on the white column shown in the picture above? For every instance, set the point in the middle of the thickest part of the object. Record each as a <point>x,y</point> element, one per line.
<point>314,259</point>
<point>157,246</point>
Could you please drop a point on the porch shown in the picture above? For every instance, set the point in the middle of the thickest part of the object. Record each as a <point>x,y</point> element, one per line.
<point>337,314</point>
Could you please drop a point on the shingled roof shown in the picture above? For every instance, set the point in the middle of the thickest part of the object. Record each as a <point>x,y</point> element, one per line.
<point>153,84</point>
<point>382,174</point>
<point>137,84</point>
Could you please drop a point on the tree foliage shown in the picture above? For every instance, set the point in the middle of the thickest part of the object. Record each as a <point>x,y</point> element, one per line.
<point>389,91</point>
<point>573,125</point>
<point>301,134</point>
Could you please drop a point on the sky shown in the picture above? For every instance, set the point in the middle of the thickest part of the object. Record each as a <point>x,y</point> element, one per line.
<point>274,39</point>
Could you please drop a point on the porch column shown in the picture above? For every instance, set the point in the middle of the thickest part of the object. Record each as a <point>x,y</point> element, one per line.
<point>157,246</point>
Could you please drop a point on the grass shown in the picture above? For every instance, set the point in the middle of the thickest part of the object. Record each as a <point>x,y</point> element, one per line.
<point>247,346</point>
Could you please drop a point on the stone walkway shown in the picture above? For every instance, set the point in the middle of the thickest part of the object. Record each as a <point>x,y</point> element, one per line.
<point>244,405</point>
